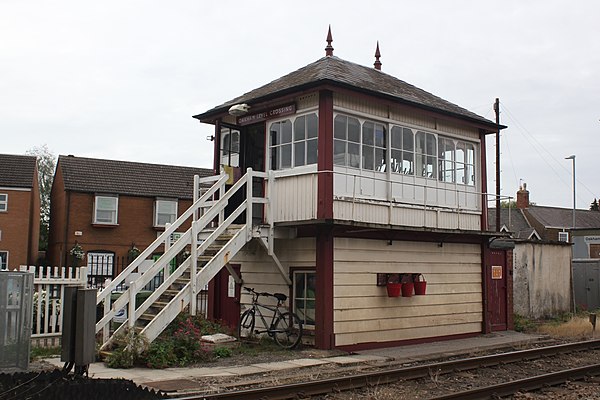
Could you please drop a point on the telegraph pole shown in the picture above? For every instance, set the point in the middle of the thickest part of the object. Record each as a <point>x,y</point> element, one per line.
<point>497,110</point>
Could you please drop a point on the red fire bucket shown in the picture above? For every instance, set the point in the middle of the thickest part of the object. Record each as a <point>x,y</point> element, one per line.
<point>407,289</point>
<point>393,289</point>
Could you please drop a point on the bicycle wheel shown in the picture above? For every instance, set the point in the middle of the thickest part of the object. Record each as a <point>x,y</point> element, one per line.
<point>246,325</point>
<point>288,330</point>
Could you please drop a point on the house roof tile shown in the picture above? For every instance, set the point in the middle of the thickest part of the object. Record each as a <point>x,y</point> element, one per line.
<point>94,175</point>
<point>556,217</point>
<point>514,220</point>
<point>336,71</point>
<point>17,171</point>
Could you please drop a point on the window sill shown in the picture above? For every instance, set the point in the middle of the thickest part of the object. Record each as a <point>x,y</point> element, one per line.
<point>101,225</point>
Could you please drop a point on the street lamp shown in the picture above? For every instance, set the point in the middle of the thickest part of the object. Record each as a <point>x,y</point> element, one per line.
<point>572,157</point>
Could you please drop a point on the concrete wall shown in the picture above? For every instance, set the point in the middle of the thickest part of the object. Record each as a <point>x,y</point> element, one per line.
<point>542,279</point>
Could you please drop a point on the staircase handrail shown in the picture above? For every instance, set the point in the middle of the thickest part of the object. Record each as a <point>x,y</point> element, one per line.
<point>102,295</point>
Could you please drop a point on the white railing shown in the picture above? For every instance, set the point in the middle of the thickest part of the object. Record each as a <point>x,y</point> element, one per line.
<point>48,294</point>
<point>207,216</point>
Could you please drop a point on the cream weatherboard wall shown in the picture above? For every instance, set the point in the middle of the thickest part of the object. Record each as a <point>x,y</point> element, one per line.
<point>258,270</point>
<point>362,311</point>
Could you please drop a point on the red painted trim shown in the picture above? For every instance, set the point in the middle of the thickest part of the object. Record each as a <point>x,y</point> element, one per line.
<point>324,338</point>
<point>216,145</point>
<point>484,204</point>
<point>325,156</point>
<point>380,345</point>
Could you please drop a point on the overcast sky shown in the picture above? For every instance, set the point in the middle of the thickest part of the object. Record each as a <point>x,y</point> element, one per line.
<point>122,79</point>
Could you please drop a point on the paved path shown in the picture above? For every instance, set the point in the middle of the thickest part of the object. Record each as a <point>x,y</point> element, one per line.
<point>177,377</point>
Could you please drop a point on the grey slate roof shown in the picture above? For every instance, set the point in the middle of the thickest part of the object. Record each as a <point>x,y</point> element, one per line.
<point>556,217</point>
<point>17,171</point>
<point>92,175</point>
<point>336,71</point>
<point>514,220</point>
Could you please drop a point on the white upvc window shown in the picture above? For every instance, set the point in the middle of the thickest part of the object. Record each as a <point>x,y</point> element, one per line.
<point>3,259</point>
<point>106,209</point>
<point>165,211</point>
<point>563,236</point>
<point>3,202</point>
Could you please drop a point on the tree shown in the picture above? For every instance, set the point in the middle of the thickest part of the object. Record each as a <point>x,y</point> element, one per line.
<point>594,206</point>
<point>46,162</point>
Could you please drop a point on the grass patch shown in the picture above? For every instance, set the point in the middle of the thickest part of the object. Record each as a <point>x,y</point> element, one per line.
<point>577,327</point>
<point>44,352</point>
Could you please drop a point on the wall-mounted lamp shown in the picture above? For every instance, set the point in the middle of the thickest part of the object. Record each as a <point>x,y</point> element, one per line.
<point>239,109</point>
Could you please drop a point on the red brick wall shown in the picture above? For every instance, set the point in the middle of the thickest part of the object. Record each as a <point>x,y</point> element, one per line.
<point>17,225</point>
<point>58,220</point>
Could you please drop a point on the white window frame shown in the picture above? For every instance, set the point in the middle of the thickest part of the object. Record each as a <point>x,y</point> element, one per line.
<point>563,236</point>
<point>115,216</point>
<point>4,266</point>
<point>296,297</point>
<point>157,203</point>
<point>3,202</point>
<point>302,141</point>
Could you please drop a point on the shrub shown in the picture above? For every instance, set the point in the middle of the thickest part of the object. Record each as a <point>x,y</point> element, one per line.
<point>130,347</point>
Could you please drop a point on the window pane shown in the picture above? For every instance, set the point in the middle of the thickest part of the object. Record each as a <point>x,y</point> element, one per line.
<point>104,216</point>
<point>353,155</point>
<point>396,139</point>
<point>274,158</point>
<point>286,131</point>
<point>299,153</point>
<point>105,203</point>
<point>396,162</point>
<point>304,296</point>
<point>339,152</point>
<point>380,162</point>
<point>353,130</point>
<point>368,132</point>
<point>312,126</point>
<point>380,135</point>
<point>274,134</point>
<point>460,152</point>
<point>299,129</point>
<point>368,161</point>
<point>430,168</point>
<point>286,155</point>
<point>460,173</point>
<point>407,140</point>
<point>431,144</point>
<point>311,151</point>
<point>408,167</point>
<point>339,127</point>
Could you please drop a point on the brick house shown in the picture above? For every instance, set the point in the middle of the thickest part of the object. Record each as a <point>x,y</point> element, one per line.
<point>109,207</point>
<point>19,211</point>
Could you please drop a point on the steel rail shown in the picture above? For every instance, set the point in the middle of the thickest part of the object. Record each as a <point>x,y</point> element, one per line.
<point>526,384</point>
<point>388,376</point>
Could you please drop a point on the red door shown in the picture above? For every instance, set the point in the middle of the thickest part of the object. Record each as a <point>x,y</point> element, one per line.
<point>496,280</point>
<point>226,304</point>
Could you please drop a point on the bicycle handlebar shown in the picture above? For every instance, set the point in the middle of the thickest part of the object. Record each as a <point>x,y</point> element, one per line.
<point>279,296</point>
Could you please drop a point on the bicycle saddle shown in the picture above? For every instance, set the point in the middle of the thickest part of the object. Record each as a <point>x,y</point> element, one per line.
<point>280,296</point>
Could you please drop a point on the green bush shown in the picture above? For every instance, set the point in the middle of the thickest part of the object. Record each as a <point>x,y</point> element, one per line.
<point>222,352</point>
<point>129,350</point>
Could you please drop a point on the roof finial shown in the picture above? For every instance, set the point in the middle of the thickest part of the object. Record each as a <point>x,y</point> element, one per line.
<point>377,63</point>
<point>329,48</point>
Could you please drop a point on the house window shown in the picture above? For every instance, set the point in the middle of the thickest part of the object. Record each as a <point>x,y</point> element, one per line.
<point>3,202</point>
<point>105,209</point>
<point>563,236</point>
<point>304,296</point>
<point>165,212</point>
<point>3,259</point>
<point>293,142</point>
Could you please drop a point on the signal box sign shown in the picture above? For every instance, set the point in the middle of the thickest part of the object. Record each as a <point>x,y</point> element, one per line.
<point>496,271</point>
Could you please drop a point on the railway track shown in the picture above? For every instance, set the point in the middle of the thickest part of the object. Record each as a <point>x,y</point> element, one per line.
<point>395,375</point>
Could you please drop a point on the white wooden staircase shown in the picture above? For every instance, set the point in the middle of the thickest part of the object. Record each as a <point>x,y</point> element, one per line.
<point>212,240</point>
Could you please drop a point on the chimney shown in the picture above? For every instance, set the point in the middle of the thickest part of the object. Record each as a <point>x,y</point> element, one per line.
<point>523,197</point>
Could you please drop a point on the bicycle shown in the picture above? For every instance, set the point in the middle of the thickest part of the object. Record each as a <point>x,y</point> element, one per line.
<point>285,327</point>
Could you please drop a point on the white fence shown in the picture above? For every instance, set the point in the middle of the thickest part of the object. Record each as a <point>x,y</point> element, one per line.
<point>49,289</point>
